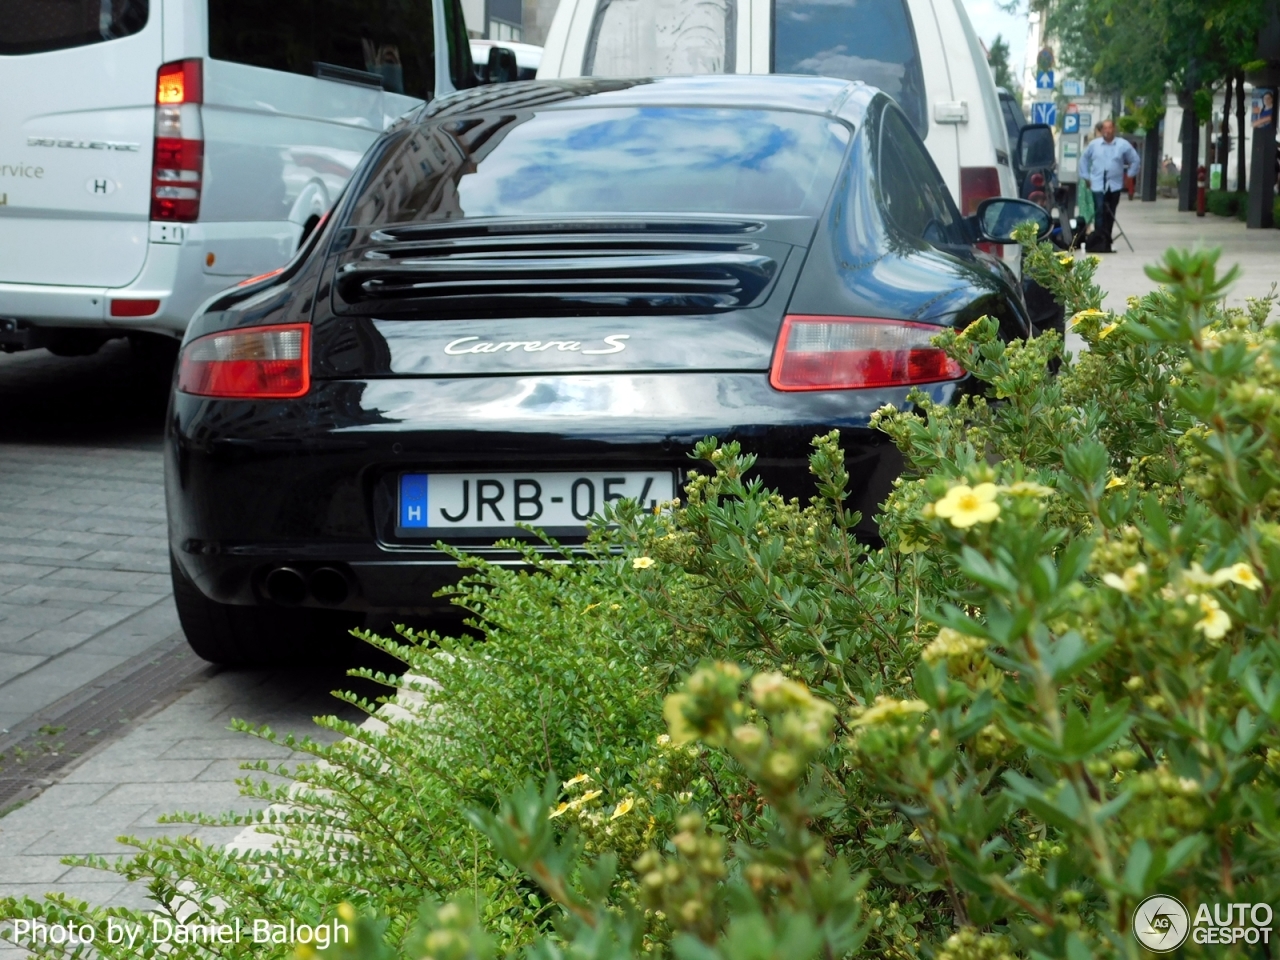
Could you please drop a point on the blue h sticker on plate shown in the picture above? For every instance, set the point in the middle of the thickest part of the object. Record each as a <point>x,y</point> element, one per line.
<point>413,500</point>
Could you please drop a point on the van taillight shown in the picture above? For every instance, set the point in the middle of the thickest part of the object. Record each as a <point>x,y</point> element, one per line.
<point>177,168</point>
<point>851,353</point>
<point>976,185</point>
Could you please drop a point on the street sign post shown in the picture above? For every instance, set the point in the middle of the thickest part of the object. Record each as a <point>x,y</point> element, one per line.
<point>1044,80</point>
<point>1044,113</point>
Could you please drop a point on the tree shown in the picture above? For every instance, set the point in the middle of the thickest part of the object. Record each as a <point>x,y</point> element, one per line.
<point>1139,49</point>
<point>998,60</point>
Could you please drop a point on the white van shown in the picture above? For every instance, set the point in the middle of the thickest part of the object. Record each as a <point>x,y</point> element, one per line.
<point>923,53</point>
<point>153,152</point>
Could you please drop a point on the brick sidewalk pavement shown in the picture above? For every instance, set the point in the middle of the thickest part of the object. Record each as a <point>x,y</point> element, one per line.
<point>84,578</point>
<point>182,758</point>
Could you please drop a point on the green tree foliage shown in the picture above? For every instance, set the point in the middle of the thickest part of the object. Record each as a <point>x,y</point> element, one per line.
<point>1138,48</point>
<point>998,59</point>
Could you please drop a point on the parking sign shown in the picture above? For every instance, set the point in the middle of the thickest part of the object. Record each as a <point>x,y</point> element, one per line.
<point>1044,113</point>
<point>1071,123</point>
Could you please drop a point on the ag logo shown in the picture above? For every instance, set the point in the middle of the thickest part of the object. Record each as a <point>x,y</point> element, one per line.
<point>1161,923</point>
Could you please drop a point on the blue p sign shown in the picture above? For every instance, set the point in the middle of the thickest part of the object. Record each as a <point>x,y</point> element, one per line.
<point>1071,123</point>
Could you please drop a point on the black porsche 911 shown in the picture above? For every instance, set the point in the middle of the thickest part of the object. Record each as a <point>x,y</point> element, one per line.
<point>534,299</point>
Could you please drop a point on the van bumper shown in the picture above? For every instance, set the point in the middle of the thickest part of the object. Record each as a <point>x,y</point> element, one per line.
<point>175,273</point>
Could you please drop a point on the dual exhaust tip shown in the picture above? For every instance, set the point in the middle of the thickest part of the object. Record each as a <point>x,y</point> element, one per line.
<point>289,586</point>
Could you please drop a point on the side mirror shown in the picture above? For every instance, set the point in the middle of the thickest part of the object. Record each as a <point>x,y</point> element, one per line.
<point>1036,147</point>
<point>998,216</point>
<point>502,65</point>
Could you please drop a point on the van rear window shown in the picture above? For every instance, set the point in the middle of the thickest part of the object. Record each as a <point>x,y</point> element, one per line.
<point>382,43</point>
<point>661,38</point>
<point>34,26</point>
<point>870,40</point>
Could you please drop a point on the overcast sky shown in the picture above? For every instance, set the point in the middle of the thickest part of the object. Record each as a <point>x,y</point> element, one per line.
<point>989,20</point>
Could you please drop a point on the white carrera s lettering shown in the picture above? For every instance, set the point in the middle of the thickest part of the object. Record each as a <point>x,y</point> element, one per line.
<point>466,345</point>
<point>614,345</point>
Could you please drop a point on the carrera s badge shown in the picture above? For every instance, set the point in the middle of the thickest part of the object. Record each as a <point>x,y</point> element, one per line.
<point>465,345</point>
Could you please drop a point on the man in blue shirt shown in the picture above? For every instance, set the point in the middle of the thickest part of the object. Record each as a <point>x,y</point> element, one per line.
<point>1103,167</point>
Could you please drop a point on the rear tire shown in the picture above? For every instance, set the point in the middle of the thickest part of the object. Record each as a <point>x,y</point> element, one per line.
<point>238,636</point>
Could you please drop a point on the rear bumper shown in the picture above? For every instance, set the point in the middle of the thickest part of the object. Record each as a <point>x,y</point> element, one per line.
<point>310,484</point>
<point>175,273</point>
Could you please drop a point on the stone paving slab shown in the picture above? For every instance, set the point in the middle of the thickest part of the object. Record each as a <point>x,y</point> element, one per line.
<point>183,758</point>
<point>83,566</point>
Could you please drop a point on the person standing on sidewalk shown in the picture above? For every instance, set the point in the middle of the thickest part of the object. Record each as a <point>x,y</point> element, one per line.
<point>1103,167</point>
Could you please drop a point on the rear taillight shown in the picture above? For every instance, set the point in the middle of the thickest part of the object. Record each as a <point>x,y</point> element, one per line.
<point>976,185</point>
<point>178,166</point>
<point>851,353</point>
<point>249,364</point>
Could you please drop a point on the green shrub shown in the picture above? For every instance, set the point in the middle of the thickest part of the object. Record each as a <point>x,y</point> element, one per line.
<point>1227,203</point>
<point>1054,691</point>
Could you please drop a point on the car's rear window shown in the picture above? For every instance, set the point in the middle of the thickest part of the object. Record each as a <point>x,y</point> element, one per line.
<point>868,40</point>
<point>33,26</point>
<point>618,160</point>
<point>661,38</point>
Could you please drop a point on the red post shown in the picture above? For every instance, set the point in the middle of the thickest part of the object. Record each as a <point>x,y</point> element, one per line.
<point>1201,174</point>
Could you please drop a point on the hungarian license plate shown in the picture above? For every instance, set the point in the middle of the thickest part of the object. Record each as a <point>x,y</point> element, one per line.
<point>458,501</point>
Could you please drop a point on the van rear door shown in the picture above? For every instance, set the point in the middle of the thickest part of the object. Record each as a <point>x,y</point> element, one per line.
<point>76,128</point>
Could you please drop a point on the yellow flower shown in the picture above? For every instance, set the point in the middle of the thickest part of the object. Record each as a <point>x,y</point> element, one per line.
<point>580,778</point>
<point>1086,314</point>
<point>951,644</point>
<point>642,563</point>
<point>1215,623</point>
<point>965,505</point>
<point>1026,488</point>
<point>1240,574</point>
<point>1106,331</point>
<point>1129,581</point>
<point>557,811</point>
<point>584,799</point>
<point>1065,258</point>
<point>622,809</point>
<point>1116,482</point>
<point>886,708</point>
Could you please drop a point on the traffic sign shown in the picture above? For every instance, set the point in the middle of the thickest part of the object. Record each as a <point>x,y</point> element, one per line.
<point>1073,108</point>
<point>1044,113</point>
<point>1086,121</point>
<point>1071,123</point>
<point>1073,88</point>
<point>1044,80</point>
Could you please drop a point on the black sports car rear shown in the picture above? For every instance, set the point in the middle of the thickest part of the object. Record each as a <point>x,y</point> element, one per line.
<point>536,298</point>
